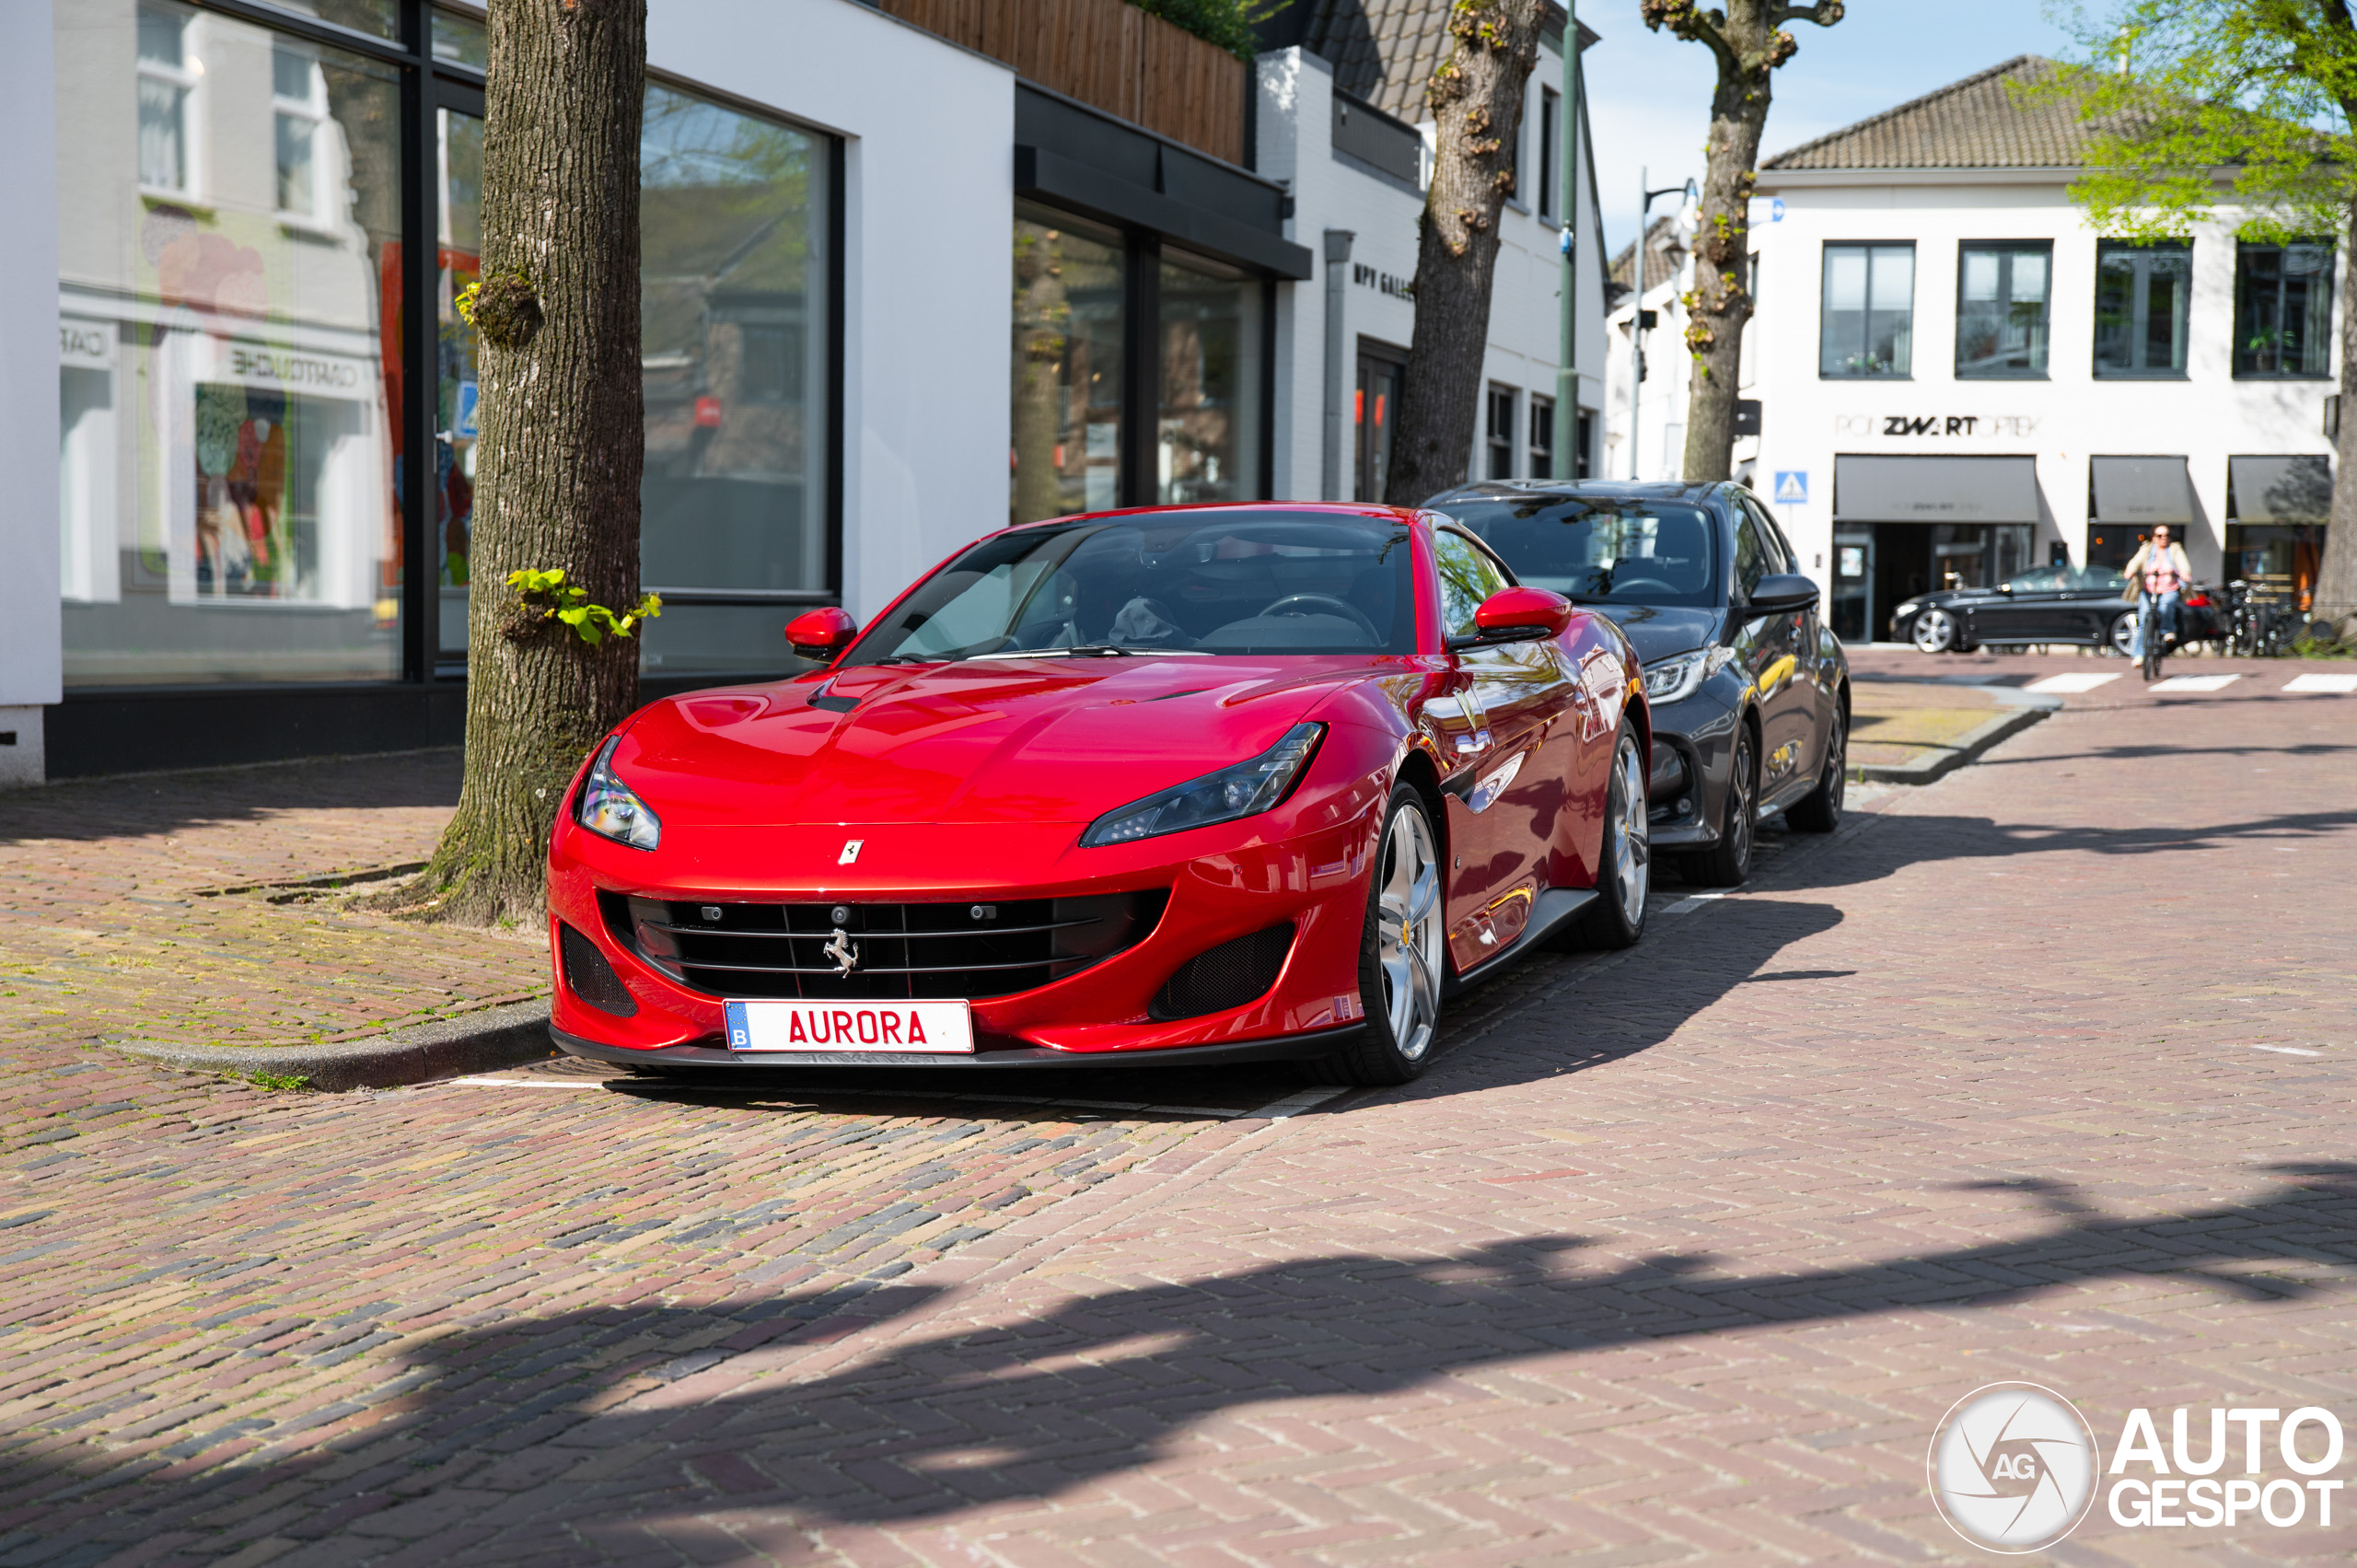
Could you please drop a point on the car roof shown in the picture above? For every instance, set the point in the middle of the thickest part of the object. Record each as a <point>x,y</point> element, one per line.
<point>1612,489</point>
<point>1329,508</point>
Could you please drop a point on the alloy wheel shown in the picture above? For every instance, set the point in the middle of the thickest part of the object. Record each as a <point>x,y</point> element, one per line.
<point>1739,813</point>
<point>1632,846</point>
<point>1837,766</point>
<point>1934,631</point>
<point>1407,944</point>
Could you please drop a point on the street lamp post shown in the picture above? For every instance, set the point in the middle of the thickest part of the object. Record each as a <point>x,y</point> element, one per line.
<point>1567,374</point>
<point>1637,312</point>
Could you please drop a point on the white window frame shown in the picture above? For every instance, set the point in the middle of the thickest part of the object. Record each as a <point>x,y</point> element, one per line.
<point>313,108</point>
<point>189,78</point>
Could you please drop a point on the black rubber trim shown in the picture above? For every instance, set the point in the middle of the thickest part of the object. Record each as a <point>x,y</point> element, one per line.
<point>1284,1048</point>
<point>1555,906</point>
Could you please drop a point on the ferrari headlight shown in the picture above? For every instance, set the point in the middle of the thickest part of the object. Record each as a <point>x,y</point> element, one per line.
<point>1241,791</point>
<point>1676,679</point>
<point>610,809</point>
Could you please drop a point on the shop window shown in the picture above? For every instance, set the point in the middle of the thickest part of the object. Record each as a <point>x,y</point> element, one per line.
<point>2142,307</point>
<point>1499,434</point>
<point>1069,319</point>
<point>167,80</point>
<point>461,38</point>
<point>228,446</point>
<point>1383,370</point>
<point>2001,311</point>
<point>1868,324</point>
<point>1542,436</point>
<point>2283,310</point>
<point>1208,425</point>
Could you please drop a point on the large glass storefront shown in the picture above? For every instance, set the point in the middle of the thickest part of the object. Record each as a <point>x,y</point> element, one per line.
<point>1103,322</point>
<point>233,384</point>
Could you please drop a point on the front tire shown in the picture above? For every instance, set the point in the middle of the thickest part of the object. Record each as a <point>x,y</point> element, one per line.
<point>1820,810</point>
<point>1934,632</point>
<point>1400,951</point>
<point>1727,863</point>
<point>1624,858</point>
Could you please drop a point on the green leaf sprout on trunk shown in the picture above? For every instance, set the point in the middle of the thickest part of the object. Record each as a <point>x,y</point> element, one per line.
<point>544,597</point>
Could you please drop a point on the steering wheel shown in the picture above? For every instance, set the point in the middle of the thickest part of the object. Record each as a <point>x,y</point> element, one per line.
<point>1644,582</point>
<point>1328,601</point>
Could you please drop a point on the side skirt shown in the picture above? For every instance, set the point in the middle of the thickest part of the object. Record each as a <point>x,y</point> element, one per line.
<point>1555,907</point>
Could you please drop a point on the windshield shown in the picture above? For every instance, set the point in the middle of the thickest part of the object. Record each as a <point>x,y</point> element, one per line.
<point>1601,549</point>
<point>2054,579</point>
<point>1211,582</point>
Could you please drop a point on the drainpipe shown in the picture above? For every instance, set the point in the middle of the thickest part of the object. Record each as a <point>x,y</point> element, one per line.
<point>1337,256</point>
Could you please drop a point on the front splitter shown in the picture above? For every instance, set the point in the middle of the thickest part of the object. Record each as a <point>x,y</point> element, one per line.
<point>704,1058</point>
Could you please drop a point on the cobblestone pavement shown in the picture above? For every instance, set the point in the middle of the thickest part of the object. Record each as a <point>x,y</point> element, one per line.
<point>1677,1255</point>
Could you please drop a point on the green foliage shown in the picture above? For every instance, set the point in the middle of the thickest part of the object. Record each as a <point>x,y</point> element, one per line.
<point>1228,23</point>
<point>559,601</point>
<point>284,1083</point>
<point>2194,104</point>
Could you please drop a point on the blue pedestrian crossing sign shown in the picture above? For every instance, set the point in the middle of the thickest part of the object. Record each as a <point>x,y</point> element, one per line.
<point>1792,487</point>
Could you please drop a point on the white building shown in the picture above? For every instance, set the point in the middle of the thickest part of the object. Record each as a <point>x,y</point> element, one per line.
<point>1960,379</point>
<point>1028,279</point>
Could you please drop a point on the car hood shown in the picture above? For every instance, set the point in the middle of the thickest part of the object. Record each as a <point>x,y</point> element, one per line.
<point>1659,630</point>
<point>984,741</point>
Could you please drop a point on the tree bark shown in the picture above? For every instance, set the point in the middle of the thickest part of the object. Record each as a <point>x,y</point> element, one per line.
<point>1749,44</point>
<point>2335,599</point>
<point>563,437</point>
<point>1476,98</point>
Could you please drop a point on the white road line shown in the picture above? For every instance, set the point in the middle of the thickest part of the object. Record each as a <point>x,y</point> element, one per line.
<point>1691,903</point>
<point>2312,682</point>
<point>2288,1050</point>
<point>2070,682</point>
<point>1295,1104</point>
<point>2194,683</point>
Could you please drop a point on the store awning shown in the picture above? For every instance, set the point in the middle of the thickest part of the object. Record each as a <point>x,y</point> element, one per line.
<point>2281,490</point>
<point>2138,492</point>
<point>1934,490</point>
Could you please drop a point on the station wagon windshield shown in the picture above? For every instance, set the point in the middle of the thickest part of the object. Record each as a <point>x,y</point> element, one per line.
<point>1602,549</point>
<point>1240,582</point>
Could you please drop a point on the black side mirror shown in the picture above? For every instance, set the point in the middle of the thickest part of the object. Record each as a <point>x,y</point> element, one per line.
<point>1783,591</point>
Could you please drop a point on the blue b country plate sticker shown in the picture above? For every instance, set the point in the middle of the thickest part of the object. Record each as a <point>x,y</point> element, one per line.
<point>933,1029</point>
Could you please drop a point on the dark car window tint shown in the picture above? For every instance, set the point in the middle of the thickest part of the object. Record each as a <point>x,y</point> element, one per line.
<point>1781,546</point>
<point>1594,549</point>
<point>1755,557</point>
<point>1468,576</point>
<point>2063,580</point>
<point>1243,581</point>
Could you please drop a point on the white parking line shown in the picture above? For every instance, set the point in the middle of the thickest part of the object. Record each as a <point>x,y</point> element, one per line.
<point>1691,903</point>
<point>2288,1050</point>
<point>2342,683</point>
<point>2070,682</point>
<point>2194,683</point>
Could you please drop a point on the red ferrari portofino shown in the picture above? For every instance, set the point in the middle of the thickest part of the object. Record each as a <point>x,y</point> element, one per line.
<point>1177,786</point>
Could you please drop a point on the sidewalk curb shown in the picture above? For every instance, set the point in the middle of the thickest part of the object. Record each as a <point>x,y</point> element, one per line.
<point>471,1043</point>
<point>1967,747</point>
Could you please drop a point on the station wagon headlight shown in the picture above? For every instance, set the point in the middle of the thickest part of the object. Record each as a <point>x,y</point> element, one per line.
<point>1674,680</point>
<point>1243,790</point>
<point>610,809</point>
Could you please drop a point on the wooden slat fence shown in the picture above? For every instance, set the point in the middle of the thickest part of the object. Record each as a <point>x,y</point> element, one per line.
<point>1107,54</point>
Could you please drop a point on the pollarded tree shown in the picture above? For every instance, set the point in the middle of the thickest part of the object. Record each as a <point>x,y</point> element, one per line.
<point>562,444</point>
<point>1750,41</point>
<point>2245,104</point>
<point>1476,100</point>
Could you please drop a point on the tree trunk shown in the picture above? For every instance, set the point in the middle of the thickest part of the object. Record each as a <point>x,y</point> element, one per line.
<point>1042,325</point>
<point>1749,46</point>
<point>563,437</point>
<point>2335,600</point>
<point>1476,96</point>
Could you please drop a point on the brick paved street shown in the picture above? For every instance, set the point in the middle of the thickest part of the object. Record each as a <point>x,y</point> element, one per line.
<point>2041,1072</point>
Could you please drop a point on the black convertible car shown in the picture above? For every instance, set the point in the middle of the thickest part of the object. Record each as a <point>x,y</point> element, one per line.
<point>2088,605</point>
<point>1749,692</point>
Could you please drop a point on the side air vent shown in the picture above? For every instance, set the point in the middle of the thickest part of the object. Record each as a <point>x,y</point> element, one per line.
<point>1227,976</point>
<point>590,977</point>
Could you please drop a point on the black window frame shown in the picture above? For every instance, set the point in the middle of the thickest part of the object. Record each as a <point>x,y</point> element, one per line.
<point>1499,403</point>
<point>1540,421</point>
<point>1865,314</point>
<point>1550,131</point>
<point>2006,251</point>
<point>2139,289</point>
<point>2245,252</point>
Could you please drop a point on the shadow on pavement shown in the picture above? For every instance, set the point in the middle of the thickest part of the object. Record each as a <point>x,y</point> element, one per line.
<point>506,1456</point>
<point>1902,841</point>
<point>166,803</point>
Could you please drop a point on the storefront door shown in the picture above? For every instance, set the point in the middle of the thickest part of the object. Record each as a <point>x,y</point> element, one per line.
<point>1852,610</point>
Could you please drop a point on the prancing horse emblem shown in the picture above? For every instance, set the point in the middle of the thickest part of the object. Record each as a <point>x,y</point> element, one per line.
<point>839,947</point>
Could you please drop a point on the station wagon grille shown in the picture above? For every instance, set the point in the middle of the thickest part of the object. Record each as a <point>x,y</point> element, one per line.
<point>971,949</point>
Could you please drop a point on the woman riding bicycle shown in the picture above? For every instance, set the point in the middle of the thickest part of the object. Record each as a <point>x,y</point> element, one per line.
<point>2160,571</point>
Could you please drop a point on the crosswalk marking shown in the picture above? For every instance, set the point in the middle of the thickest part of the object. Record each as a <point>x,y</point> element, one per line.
<point>2194,683</point>
<point>2070,682</point>
<point>2343,684</point>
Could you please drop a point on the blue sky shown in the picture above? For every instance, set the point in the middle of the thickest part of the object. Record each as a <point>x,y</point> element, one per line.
<point>1650,93</point>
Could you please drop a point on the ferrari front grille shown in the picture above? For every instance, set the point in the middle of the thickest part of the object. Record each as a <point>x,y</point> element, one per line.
<point>830,952</point>
<point>1227,976</point>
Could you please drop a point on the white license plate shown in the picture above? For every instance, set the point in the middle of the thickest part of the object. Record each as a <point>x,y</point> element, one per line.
<point>934,1029</point>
